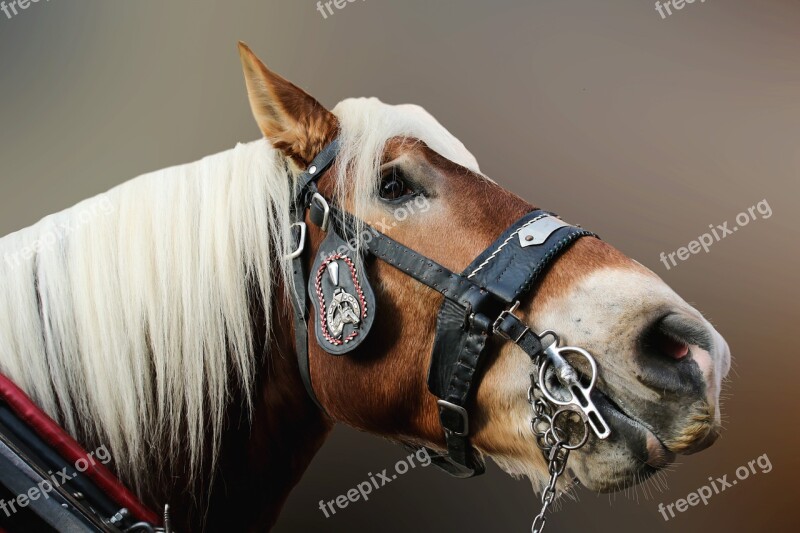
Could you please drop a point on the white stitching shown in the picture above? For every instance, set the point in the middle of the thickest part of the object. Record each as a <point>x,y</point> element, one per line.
<point>500,248</point>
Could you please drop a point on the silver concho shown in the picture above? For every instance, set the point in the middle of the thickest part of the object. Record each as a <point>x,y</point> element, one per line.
<point>343,299</point>
<point>343,309</point>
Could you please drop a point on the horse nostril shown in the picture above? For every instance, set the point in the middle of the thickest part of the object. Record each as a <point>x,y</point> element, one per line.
<point>672,347</point>
<point>670,337</point>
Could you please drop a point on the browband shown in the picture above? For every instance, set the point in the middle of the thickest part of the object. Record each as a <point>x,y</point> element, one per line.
<point>478,303</point>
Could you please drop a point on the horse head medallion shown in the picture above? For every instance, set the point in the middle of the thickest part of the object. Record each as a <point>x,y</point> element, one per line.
<point>342,297</point>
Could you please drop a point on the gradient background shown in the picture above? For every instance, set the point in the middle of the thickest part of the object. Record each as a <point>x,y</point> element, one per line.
<point>645,130</point>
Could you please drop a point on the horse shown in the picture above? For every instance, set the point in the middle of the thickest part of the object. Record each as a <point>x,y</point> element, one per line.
<point>157,319</point>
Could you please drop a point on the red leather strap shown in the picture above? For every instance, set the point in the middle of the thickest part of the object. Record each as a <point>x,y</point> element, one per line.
<point>71,451</point>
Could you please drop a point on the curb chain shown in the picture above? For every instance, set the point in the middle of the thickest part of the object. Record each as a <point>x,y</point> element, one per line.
<point>553,440</point>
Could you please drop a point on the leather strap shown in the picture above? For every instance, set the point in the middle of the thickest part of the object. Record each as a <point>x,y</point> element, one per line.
<point>474,302</point>
<point>316,169</point>
<point>304,186</point>
<point>513,329</point>
<point>299,303</point>
<point>453,286</point>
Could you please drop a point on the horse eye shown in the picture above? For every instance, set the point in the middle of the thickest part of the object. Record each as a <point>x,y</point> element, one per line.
<point>393,186</point>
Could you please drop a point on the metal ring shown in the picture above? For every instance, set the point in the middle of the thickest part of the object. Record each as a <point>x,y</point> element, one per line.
<point>547,363</point>
<point>565,443</point>
<point>543,419</point>
<point>551,438</point>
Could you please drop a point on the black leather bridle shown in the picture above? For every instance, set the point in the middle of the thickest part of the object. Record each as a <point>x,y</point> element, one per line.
<point>478,303</point>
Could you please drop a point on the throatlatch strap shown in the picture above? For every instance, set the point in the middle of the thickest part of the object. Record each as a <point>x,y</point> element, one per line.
<point>301,327</point>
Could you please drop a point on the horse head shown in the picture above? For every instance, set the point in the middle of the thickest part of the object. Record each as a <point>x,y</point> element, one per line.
<point>661,364</point>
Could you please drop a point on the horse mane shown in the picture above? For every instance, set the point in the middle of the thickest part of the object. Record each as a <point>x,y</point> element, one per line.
<point>127,318</point>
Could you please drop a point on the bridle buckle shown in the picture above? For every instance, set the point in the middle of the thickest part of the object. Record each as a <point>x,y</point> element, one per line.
<point>462,414</point>
<point>505,314</point>
<point>302,245</point>
<point>319,201</point>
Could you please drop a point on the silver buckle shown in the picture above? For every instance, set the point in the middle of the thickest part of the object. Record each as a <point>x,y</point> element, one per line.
<point>300,247</point>
<point>326,215</point>
<point>503,315</point>
<point>461,412</point>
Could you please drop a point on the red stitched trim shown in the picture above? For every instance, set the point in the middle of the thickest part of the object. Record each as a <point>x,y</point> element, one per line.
<point>323,313</point>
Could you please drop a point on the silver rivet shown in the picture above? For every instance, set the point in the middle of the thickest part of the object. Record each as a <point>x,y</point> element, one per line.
<point>312,170</point>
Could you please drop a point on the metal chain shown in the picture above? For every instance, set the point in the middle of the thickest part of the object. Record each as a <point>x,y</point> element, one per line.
<point>557,462</point>
<point>554,442</point>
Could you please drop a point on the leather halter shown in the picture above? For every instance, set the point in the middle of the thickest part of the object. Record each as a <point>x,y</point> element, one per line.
<point>478,303</point>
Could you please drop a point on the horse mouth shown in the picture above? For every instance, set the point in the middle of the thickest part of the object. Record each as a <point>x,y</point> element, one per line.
<point>639,437</point>
<point>652,452</point>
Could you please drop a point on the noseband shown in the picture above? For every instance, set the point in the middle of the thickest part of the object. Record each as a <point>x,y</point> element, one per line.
<point>479,303</point>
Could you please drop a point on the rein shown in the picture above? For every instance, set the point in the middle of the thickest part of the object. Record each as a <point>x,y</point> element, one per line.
<point>479,303</point>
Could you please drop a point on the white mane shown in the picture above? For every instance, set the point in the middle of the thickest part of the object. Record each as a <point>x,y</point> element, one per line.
<point>126,317</point>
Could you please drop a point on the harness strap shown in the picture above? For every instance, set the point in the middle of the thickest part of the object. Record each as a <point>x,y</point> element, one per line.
<point>317,168</point>
<point>453,286</point>
<point>513,329</point>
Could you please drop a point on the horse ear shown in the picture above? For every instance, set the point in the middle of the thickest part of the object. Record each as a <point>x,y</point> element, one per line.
<point>293,121</point>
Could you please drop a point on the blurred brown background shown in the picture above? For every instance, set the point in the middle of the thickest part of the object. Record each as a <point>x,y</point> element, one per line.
<point>645,130</point>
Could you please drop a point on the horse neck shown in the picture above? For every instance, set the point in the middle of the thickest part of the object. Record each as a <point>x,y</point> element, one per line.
<point>261,462</point>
